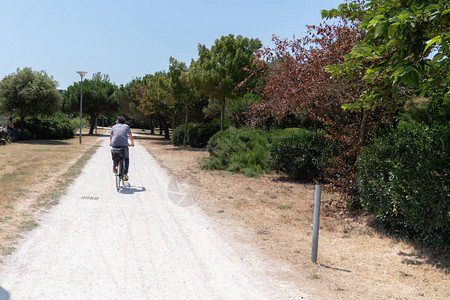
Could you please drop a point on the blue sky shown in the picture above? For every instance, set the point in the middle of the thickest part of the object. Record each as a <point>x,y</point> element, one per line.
<point>128,39</point>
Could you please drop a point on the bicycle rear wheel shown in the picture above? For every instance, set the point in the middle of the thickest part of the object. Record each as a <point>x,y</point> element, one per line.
<point>119,175</point>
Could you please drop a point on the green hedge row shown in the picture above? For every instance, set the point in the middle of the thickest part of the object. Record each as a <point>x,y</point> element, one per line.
<point>57,126</point>
<point>300,153</point>
<point>404,181</point>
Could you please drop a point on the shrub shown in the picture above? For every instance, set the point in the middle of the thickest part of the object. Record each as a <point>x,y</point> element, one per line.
<point>198,134</point>
<point>57,126</point>
<point>300,153</point>
<point>240,150</point>
<point>404,181</point>
<point>178,135</point>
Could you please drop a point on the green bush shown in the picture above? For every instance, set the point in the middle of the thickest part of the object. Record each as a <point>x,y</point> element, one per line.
<point>178,135</point>
<point>300,153</point>
<point>198,134</point>
<point>76,123</point>
<point>57,126</point>
<point>240,150</point>
<point>404,181</point>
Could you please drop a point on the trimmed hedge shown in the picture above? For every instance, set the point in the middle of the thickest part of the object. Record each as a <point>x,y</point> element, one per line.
<point>300,153</point>
<point>404,181</point>
<point>57,126</point>
<point>240,150</point>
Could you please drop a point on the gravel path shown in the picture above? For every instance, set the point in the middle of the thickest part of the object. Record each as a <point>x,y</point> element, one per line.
<point>145,242</point>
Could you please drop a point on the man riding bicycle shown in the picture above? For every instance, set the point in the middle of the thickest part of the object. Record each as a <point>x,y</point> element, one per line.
<point>119,140</point>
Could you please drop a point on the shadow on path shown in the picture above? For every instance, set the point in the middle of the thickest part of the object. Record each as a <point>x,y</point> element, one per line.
<point>4,295</point>
<point>129,190</point>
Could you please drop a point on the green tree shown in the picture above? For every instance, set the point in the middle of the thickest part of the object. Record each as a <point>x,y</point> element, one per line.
<point>29,93</point>
<point>97,98</point>
<point>401,38</point>
<point>237,111</point>
<point>219,71</point>
<point>182,90</point>
<point>126,99</point>
<point>155,98</point>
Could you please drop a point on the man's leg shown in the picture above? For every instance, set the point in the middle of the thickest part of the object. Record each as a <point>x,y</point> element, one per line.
<point>127,161</point>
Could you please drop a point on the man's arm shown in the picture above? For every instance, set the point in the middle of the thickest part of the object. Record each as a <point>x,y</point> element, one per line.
<point>131,139</point>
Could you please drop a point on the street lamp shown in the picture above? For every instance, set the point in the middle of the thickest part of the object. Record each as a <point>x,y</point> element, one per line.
<point>81,99</point>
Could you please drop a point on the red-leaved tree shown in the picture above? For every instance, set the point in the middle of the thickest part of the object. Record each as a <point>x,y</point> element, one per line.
<point>296,82</point>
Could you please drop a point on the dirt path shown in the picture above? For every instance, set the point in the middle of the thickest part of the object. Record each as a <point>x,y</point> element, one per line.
<point>146,242</point>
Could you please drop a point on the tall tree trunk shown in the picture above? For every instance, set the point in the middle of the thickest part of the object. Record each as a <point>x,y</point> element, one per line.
<point>161,126</point>
<point>152,127</point>
<point>165,127</point>
<point>92,123</point>
<point>186,121</point>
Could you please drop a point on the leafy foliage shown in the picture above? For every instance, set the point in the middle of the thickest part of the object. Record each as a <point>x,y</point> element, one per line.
<point>242,150</point>
<point>155,97</point>
<point>127,102</point>
<point>399,37</point>
<point>298,87</point>
<point>301,153</point>
<point>404,181</point>
<point>98,97</point>
<point>436,88</point>
<point>182,90</point>
<point>29,93</point>
<point>236,111</point>
<point>219,70</point>
<point>57,126</point>
<point>198,134</point>
<point>296,81</point>
<point>177,138</point>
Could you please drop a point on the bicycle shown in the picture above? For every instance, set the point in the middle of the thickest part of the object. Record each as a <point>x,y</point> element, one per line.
<point>118,158</point>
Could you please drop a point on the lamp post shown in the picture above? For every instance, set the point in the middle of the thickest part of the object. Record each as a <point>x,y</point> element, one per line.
<point>81,99</point>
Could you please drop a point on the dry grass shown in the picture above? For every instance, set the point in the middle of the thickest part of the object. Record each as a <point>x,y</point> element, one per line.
<point>33,177</point>
<point>275,215</point>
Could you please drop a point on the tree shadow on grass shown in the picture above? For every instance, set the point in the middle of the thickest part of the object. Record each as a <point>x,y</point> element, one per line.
<point>58,142</point>
<point>190,149</point>
<point>43,142</point>
<point>154,138</point>
<point>436,256</point>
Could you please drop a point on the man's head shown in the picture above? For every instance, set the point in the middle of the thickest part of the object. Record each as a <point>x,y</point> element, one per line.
<point>121,119</point>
